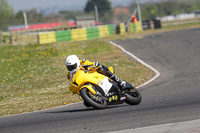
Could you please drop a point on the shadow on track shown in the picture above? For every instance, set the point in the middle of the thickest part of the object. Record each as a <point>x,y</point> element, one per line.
<point>86,109</point>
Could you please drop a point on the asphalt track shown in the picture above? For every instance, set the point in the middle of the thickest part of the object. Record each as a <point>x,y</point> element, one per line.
<point>173,97</point>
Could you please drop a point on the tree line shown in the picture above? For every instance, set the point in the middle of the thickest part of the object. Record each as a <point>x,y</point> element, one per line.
<point>168,7</point>
<point>9,18</point>
<point>149,11</point>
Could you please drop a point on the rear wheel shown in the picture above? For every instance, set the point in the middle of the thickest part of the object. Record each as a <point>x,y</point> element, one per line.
<point>97,101</point>
<point>133,97</point>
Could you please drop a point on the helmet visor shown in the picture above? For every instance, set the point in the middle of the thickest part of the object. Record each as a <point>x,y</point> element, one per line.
<point>71,67</point>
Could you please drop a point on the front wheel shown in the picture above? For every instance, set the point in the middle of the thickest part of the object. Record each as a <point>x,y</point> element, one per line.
<point>133,97</point>
<point>97,101</point>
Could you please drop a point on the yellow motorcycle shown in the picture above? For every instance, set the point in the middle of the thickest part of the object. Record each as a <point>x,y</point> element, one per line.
<point>99,91</point>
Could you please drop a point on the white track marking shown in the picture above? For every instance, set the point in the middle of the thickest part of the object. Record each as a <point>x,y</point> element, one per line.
<point>179,127</point>
<point>157,73</point>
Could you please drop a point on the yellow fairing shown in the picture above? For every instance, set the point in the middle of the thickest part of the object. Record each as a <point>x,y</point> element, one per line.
<point>111,69</point>
<point>90,88</point>
<point>80,79</point>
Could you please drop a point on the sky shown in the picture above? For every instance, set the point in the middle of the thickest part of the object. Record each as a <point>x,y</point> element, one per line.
<point>67,4</point>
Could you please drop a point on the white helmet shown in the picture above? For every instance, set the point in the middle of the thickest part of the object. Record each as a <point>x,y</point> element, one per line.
<point>72,63</point>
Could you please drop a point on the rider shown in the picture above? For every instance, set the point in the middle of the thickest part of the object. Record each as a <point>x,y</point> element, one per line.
<point>73,63</point>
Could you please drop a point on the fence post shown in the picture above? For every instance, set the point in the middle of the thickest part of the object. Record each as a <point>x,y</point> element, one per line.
<point>11,38</point>
<point>37,36</point>
<point>26,39</point>
<point>38,39</point>
<point>1,37</point>
<point>22,37</point>
<point>17,37</point>
<point>151,24</point>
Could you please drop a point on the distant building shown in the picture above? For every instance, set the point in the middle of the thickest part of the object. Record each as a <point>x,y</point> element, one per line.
<point>181,16</point>
<point>120,10</point>
<point>121,14</point>
<point>85,21</point>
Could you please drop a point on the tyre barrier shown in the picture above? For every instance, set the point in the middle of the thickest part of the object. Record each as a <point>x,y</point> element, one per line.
<point>83,34</point>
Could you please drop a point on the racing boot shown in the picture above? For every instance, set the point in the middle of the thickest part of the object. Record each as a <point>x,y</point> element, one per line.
<point>105,71</point>
<point>120,83</point>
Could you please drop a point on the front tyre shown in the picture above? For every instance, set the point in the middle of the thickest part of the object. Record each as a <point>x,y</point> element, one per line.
<point>97,101</point>
<point>133,97</point>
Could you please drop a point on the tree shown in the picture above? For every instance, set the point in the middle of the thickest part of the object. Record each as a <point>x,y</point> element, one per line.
<point>104,8</point>
<point>6,11</point>
<point>67,15</point>
<point>102,5</point>
<point>150,12</point>
<point>167,7</point>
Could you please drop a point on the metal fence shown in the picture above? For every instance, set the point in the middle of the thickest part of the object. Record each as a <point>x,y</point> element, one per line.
<point>45,37</point>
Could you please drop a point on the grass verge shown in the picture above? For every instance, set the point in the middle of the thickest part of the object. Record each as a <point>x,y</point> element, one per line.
<point>34,77</point>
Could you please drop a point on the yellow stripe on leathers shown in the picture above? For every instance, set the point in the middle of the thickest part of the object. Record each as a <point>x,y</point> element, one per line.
<point>86,62</point>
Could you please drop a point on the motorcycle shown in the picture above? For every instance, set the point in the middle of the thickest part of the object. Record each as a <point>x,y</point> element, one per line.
<point>98,91</point>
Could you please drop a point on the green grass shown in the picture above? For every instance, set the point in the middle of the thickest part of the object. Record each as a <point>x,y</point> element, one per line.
<point>33,77</point>
<point>182,26</point>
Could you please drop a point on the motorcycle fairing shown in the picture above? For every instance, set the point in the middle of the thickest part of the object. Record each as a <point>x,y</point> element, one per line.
<point>105,85</point>
<point>81,79</point>
<point>114,96</point>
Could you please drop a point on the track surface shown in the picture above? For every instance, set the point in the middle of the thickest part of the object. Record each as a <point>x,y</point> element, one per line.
<point>173,97</point>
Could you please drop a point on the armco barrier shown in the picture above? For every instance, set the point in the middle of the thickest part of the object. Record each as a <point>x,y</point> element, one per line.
<point>85,33</point>
<point>122,28</point>
<point>111,29</point>
<point>131,27</point>
<point>76,34</point>
<point>19,37</point>
<point>135,27</point>
<point>34,37</point>
<point>63,36</point>
<point>79,34</point>
<point>92,33</point>
<point>49,37</point>
<point>138,26</point>
<point>103,31</point>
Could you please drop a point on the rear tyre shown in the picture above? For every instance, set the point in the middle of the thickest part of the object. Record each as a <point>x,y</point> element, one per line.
<point>133,97</point>
<point>96,101</point>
